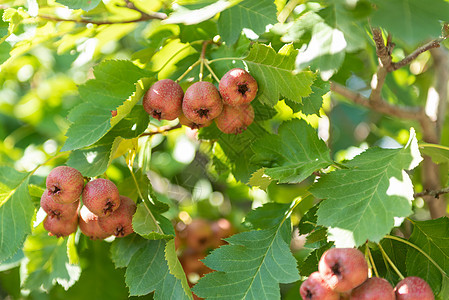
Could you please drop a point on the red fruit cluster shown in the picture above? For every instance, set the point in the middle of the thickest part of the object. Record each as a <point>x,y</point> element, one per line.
<point>343,274</point>
<point>229,105</point>
<point>104,213</point>
<point>195,240</point>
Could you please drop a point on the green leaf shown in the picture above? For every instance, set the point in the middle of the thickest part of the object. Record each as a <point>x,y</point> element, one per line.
<point>251,266</point>
<point>94,160</point>
<point>251,14</point>
<point>123,249</point>
<point>275,74</point>
<point>175,266</point>
<point>114,83</point>
<point>438,153</point>
<point>310,264</point>
<point>293,154</point>
<point>267,216</point>
<point>420,19</point>
<point>148,271</point>
<point>80,4</point>
<point>146,223</point>
<point>432,238</point>
<point>325,51</point>
<point>195,16</point>
<point>363,200</point>
<point>312,104</point>
<point>48,262</point>
<point>16,211</point>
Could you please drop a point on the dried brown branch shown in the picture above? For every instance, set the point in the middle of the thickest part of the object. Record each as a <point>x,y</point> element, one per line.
<point>409,58</point>
<point>433,193</point>
<point>161,129</point>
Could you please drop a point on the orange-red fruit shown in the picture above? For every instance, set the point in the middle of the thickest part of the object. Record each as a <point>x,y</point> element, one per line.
<point>411,288</point>
<point>235,119</point>
<point>58,210</point>
<point>65,184</point>
<point>61,227</point>
<point>222,229</point>
<point>119,222</point>
<point>343,268</point>
<point>186,122</point>
<point>237,87</point>
<point>373,288</point>
<point>202,102</point>
<point>163,100</point>
<point>199,235</point>
<point>101,196</point>
<point>88,222</point>
<point>315,288</point>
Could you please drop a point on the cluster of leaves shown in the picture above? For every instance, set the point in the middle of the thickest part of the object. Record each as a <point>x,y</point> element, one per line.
<point>361,199</point>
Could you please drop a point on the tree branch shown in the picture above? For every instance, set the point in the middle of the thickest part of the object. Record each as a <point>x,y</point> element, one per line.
<point>409,58</point>
<point>433,193</point>
<point>146,17</point>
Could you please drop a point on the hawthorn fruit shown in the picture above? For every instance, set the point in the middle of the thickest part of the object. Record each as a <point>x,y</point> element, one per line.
<point>202,102</point>
<point>64,184</point>
<point>237,87</point>
<point>61,227</point>
<point>57,210</point>
<point>163,100</point>
<point>412,287</point>
<point>373,288</point>
<point>119,222</point>
<point>101,196</point>
<point>315,288</point>
<point>235,119</point>
<point>88,223</point>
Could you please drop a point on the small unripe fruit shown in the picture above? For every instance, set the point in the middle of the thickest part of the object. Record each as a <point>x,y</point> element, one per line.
<point>88,222</point>
<point>235,119</point>
<point>163,100</point>
<point>343,268</point>
<point>315,288</point>
<point>413,288</point>
<point>65,184</point>
<point>60,227</point>
<point>58,210</point>
<point>237,87</point>
<point>373,288</point>
<point>101,196</point>
<point>199,235</point>
<point>202,102</point>
<point>186,122</point>
<point>119,222</point>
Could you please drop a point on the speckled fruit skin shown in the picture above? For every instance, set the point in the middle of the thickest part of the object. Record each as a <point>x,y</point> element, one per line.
<point>412,288</point>
<point>101,196</point>
<point>58,210</point>
<point>119,223</point>
<point>202,102</point>
<point>65,184</point>
<point>200,236</point>
<point>163,100</point>
<point>315,288</point>
<point>237,87</point>
<point>186,122</point>
<point>88,223</point>
<point>235,119</point>
<point>373,288</point>
<point>343,268</point>
<point>60,228</point>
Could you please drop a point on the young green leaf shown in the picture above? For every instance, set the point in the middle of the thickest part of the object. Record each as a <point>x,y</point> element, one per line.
<point>251,14</point>
<point>15,205</point>
<point>275,74</point>
<point>293,154</point>
<point>362,201</point>
<point>123,249</point>
<point>80,4</point>
<point>148,271</point>
<point>114,83</point>
<point>251,266</point>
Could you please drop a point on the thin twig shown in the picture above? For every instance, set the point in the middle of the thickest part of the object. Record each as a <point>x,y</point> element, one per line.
<point>409,58</point>
<point>144,17</point>
<point>162,129</point>
<point>433,193</point>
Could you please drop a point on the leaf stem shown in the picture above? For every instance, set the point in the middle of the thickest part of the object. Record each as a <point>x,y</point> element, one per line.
<point>392,237</point>
<point>176,53</point>
<point>211,71</point>
<point>188,70</point>
<point>371,261</point>
<point>225,58</point>
<point>161,129</point>
<point>425,145</point>
<point>385,255</point>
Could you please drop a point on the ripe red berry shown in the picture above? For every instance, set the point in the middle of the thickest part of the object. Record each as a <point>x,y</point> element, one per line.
<point>119,222</point>
<point>411,288</point>
<point>237,87</point>
<point>58,210</point>
<point>186,122</point>
<point>374,288</point>
<point>202,102</point>
<point>343,268</point>
<point>163,100</point>
<point>65,184</point>
<point>61,227</point>
<point>199,235</point>
<point>235,119</point>
<point>315,288</point>
<point>88,223</point>
<point>101,196</point>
